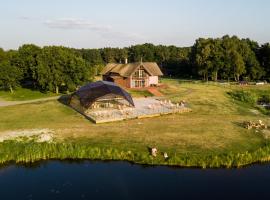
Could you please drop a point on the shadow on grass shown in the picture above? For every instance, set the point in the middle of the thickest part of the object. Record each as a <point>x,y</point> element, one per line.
<point>65,100</point>
<point>239,124</point>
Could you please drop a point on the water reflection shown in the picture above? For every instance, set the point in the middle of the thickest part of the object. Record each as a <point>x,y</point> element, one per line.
<point>120,180</point>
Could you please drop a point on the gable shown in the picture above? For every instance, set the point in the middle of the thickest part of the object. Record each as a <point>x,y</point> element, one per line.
<point>140,67</point>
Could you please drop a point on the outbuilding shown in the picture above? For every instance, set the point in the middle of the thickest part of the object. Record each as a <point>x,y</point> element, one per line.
<point>99,95</point>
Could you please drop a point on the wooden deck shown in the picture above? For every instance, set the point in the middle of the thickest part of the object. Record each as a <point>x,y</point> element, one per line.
<point>144,108</point>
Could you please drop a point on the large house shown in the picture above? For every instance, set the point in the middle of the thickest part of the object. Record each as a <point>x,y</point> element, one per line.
<point>132,75</point>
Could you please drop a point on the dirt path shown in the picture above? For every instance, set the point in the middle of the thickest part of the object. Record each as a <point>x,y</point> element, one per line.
<point>155,92</point>
<point>4,103</point>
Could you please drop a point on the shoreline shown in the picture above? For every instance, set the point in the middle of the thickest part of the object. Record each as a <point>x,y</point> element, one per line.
<point>30,152</point>
<point>81,161</point>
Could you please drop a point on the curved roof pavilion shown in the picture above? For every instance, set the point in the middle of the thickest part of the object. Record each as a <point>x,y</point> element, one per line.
<point>99,90</point>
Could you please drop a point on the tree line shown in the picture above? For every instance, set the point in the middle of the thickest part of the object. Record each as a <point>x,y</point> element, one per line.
<point>47,69</point>
<point>54,68</point>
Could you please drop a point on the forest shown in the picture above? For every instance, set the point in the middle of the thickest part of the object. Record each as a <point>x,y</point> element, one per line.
<point>58,68</point>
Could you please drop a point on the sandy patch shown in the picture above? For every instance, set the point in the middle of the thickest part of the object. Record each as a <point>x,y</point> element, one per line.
<point>256,112</point>
<point>266,133</point>
<point>41,135</point>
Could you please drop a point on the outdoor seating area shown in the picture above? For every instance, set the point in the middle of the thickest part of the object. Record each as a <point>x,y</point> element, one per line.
<point>104,101</point>
<point>144,107</point>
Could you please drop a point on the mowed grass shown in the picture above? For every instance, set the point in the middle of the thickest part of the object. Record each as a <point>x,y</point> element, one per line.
<point>140,93</point>
<point>22,94</point>
<point>211,127</point>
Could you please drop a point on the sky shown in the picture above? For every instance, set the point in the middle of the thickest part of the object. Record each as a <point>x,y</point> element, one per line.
<point>120,23</point>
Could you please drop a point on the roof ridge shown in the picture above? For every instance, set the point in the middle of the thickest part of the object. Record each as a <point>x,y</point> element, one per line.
<point>126,70</point>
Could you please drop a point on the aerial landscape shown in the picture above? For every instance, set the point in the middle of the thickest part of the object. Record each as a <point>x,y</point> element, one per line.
<point>135,100</point>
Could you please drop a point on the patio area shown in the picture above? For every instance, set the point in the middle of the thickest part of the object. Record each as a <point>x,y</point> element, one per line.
<point>144,107</point>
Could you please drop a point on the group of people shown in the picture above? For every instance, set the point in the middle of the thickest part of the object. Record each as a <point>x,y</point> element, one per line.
<point>154,153</point>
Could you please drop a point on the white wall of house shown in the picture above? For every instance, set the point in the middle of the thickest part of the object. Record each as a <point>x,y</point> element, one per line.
<point>132,83</point>
<point>153,80</point>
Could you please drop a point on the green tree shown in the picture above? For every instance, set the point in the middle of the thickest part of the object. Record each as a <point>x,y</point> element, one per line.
<point>201,54</point>
<point>248,49</point>
<point>60,67</point>
<point>50,70</point>
<point>10,76</point>
<point>94,59</point>
<point>27,61</point>
<point>109,55</point>
<point>77,71</point>
<point>264,58</point>
<point>3,55</point>
<point>146,52</point>
<point>238,65</point>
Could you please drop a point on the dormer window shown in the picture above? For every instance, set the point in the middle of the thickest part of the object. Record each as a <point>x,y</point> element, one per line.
<point>140,73</point>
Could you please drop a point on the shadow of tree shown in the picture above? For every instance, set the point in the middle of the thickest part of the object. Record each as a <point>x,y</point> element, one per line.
<point>239,124</point>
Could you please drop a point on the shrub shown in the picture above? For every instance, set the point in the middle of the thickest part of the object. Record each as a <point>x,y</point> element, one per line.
<point>264,99</point>
<point>243,96</point>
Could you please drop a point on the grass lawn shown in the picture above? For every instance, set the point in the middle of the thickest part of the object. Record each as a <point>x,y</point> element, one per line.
<point>211,128</point>
<point>140,93</point>
<point>22,94</point>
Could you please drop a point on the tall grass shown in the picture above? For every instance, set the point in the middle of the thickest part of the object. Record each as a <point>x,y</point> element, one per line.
<point>30,151</point>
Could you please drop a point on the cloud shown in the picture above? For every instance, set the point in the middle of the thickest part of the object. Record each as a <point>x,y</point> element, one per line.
<point>104,31</point>
<point>121,35</point>
<point>75,24</point>
<point>25,18</point>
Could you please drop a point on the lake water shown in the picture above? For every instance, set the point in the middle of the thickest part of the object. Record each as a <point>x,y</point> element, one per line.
<point>121,180</point>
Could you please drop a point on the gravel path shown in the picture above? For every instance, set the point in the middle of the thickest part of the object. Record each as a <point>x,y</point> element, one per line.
<point>4,103</point>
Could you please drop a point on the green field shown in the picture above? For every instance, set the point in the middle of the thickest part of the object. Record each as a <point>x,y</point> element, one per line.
<point>213,128</point>
<point>140,93</point>
<point>22,94</point>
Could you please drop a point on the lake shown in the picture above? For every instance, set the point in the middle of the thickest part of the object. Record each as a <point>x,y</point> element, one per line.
<point>122,180</point>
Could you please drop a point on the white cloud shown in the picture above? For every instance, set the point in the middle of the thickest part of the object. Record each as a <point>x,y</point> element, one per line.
<point>75,24</point>
<point>26,18</point>
<point>105,31</point>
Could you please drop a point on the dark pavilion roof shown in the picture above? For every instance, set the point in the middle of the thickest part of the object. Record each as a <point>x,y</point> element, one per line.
<point>92,92</point>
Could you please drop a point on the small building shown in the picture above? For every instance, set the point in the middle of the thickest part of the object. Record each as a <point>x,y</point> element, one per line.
<point>99,95</point>
<point>132,75</point>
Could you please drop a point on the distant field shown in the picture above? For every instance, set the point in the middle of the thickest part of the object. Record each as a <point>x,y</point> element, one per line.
<point>212,126</point>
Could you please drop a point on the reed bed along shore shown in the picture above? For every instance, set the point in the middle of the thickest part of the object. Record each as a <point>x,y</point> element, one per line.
<point>31,151</point>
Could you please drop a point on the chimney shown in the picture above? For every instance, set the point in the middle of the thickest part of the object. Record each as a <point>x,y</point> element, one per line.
<point>126,61</point>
